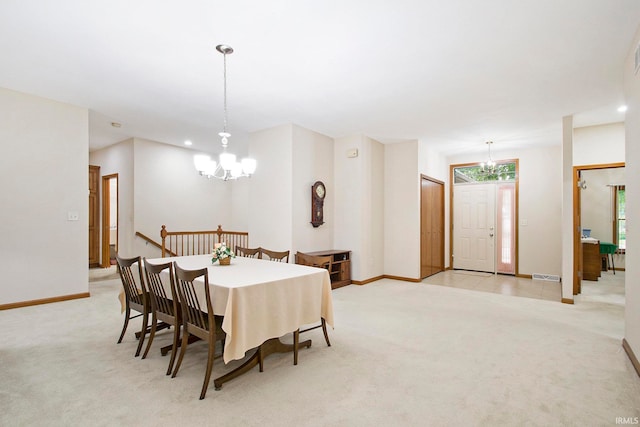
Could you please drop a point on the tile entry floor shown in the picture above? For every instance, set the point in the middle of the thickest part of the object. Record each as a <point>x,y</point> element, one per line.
<point>609,288</point>
<point>497,283</point>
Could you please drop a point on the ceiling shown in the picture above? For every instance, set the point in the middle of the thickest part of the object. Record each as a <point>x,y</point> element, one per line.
<point>455,73</point>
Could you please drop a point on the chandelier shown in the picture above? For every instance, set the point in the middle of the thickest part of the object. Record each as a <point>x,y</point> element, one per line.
<point>227,167</point>
<point>489,166</point>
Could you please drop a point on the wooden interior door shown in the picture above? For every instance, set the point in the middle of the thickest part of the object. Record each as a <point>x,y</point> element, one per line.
<point>431,226</point>
<point>94,216</point>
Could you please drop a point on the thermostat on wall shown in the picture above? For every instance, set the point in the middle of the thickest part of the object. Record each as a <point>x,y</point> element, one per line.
<point>352,152</point>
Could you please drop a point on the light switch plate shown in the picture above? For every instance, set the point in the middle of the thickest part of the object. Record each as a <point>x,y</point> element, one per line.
<point>72,216</point>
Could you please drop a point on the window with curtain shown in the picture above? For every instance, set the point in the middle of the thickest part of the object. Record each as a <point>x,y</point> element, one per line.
<point>506,239</point>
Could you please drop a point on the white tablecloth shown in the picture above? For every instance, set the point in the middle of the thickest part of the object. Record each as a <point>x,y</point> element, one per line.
<point>261,299</point>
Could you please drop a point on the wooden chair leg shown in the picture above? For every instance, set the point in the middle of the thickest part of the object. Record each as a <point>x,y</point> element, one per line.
<point>174,348</point>
<point>183,348</point>
<point>207,375</point>
<point>126,322</point>
<point>143,332</point>
<point>154,325</point>
<point>324,329</point>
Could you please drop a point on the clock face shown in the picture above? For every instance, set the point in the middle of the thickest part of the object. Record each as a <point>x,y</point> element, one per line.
<point>320,191</point>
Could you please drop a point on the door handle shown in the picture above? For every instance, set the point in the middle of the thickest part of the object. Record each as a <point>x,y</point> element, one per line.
<point>490,234</point>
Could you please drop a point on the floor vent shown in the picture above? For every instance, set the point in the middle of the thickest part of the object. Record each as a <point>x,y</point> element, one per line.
<point>547,277</point>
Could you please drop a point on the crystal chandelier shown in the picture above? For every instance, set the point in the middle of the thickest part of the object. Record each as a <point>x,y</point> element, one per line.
<point>227,167</point>
<point>489,166</point>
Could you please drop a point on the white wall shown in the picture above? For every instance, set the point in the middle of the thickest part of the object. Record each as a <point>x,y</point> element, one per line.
<point>290,159</point>
<point>240,206</point>
<point>401,210</point>
<point>540,208</point>
<point>360,204</point>
<point>43,176</point>
<point>595,145</point>
<point>168,190</point>
<point>539,205</point>
<point>118,158</point>
<point>313,160</point>
<point>567,209</point>
<point>434,165</point>
<point>158,185</point>
<point>632,148</point>
<point>270,202</point>
<point>349,200</point>
<point>373,251</point>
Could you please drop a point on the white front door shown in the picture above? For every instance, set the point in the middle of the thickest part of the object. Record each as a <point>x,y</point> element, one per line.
<point>474,227</point>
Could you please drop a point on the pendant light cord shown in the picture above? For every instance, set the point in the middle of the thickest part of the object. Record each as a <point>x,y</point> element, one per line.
<point>224,127</point>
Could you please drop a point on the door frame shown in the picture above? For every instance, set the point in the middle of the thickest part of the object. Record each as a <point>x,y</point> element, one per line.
<point>440,215</point>
<point>106,217</point>
<point>577,231</point>
<point>94,213</point>
<point>517,212</point>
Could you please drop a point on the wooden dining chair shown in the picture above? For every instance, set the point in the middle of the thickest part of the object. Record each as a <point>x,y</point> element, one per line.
<point>195,320</point>
<point>279,256</point>
<point>249,252</point>
<point>320,262</point>
<point>164,306</point>
<point>135,296</point>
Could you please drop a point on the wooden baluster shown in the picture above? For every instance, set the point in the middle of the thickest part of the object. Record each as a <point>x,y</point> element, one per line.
<point>163,235</point>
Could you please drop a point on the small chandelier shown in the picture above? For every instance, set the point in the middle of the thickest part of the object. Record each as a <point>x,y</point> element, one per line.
<point>227,167</point>
<point>489,166</point>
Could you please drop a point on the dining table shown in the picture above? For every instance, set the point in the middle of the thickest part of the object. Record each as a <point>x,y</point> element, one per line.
<point>261,301</point>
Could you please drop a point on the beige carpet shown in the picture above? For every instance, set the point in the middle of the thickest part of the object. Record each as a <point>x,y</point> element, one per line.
<point>403,354</point>
<point>102,274</point>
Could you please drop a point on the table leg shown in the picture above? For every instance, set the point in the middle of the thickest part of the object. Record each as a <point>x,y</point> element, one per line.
<point>273,345</point>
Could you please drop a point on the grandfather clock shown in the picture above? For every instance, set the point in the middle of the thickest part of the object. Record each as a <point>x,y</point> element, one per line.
<point>318,192</point>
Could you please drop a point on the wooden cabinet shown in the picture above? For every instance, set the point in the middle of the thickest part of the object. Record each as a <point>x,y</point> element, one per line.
<point>340,272</point>
<point>591,261</point>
